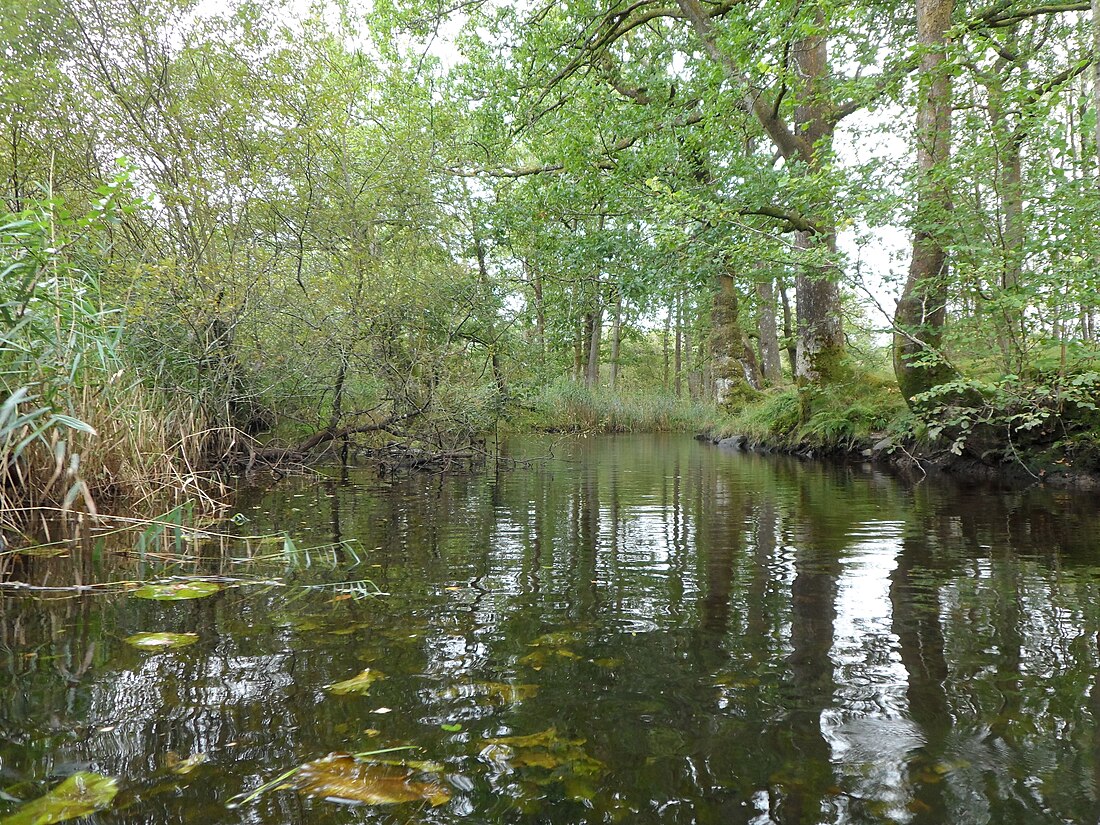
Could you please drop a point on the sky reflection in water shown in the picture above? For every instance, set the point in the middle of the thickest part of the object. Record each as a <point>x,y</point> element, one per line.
<point>639,629</point>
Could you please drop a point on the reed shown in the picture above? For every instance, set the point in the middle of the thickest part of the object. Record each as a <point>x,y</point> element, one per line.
<point>565,406</point>
<point>79,423</point>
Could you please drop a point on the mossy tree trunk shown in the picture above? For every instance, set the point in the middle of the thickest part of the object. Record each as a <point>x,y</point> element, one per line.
<point>733,359</point>
<point>922,308</point>
<point>768,338</point>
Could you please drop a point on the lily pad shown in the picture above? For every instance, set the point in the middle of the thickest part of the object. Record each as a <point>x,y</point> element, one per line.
<point>359,684</point>
<point>161,641</point>
<point>339,777</point>
<point>80,795</point>
<point>177,591</point>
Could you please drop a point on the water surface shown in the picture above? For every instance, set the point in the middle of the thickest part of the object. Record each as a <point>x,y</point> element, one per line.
<point>679,634</point>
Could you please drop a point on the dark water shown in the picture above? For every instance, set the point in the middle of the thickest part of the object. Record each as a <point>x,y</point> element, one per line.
<point>708,638</point>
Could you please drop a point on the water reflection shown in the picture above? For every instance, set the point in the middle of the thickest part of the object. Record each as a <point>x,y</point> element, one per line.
<point>637,630</point>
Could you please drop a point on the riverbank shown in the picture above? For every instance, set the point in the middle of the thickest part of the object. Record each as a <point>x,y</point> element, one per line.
<point>981,436</point>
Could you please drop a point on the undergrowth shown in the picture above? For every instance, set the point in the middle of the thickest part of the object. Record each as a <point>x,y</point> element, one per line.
<point>565,406</point>
<point>841,416</point>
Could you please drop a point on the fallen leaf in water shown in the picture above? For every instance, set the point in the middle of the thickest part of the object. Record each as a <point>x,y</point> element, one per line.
<point>490,692</point>
<point>341,778</point>
<point>182,767</point>
<point>161,641</point>
<point>536,659</point>
<point>559,638</point>
<point>176,591</point>
<point>80,795</point>
<point>359,684</point>
<point>545,749</point>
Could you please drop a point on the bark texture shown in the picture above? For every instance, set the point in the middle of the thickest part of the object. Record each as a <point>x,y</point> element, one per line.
<point>922,308</point>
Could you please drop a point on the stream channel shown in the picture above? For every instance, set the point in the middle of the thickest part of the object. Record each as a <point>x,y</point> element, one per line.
<point>634,629</point>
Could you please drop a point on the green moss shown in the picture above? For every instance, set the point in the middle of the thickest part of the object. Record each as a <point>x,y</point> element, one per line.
<point>841,415</point>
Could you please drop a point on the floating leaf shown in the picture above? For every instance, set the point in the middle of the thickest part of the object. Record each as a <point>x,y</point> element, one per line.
<point>542,750</point>
<point>451,728</point>
<point>490,692</point>
<point>161,641</point>
<point>176,591</point>
<point>80,795</point>
<point>559,638</point>
<point>182,767</point>
<point>339,777</point>
<point>536,659</point>
<point>359,685</point>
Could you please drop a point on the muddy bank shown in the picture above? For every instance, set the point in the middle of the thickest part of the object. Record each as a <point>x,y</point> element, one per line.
<point>914,461</point>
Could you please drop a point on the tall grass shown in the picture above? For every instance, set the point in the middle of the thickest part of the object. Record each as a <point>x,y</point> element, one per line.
<point>565,406</point>
<point>840,416</point>
<point>77,423</point>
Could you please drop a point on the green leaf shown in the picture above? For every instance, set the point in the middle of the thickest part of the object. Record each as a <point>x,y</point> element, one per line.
<point>177,591</point>
<point>72,423</point>
<point>359,684</point>
<point>80,795</point>
<point>161,641</point>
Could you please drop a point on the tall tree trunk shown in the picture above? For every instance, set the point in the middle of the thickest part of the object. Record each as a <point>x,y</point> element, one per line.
<point>616,339</point>
<point>595,334</point>
<point>697,376</point>
<point>1087,331</point>
<point>492,338</point>
<point>734,361</point>
<point>766,332</point>
<point>820,342</point>
<point>688,355</point>
<point>665,335</point>
<point>1096,82</point>
<point>820,345</point>
<point>580,340</point>
<point>922,308</point>
<point>1009,320</point>
<point>788,328</point>
<point>678,365</point>
<point>535,278</point>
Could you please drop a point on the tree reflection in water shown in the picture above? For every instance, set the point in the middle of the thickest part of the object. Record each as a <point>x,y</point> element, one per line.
<point>689,635</point>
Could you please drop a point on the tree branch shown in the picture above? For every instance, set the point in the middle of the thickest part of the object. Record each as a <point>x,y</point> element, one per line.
<point>753,100</point>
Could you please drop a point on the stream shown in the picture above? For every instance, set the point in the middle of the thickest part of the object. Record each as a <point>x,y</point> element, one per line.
<point>634,629</point>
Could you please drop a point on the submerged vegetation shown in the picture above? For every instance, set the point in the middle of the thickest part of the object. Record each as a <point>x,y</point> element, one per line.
<point>240,236</point>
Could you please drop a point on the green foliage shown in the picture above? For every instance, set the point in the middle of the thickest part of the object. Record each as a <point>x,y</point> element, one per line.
<point>1014,419</point>
<point>80,795</point>
<point>75,422</point>
<point>841,416</point>
<point>566,406</point>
